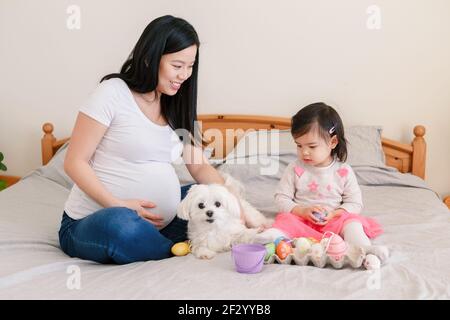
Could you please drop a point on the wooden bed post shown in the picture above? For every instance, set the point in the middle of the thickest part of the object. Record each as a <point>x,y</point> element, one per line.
<point>47,142</point>
<point>419,147</point>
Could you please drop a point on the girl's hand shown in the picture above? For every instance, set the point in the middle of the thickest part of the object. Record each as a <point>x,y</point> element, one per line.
<point>139,206</point>
<point>307,213</point>
<point>333,214</point>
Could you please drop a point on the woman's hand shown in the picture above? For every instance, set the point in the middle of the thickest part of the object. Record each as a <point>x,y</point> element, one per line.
<point>307,213</point>
<point>139,206</point>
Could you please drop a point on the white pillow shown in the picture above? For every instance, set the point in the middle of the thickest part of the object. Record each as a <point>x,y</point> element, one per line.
<point>263,142</point>
<point>54,169</point>
<point>363,145</point>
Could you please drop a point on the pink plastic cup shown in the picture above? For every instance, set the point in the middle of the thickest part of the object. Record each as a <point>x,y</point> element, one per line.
<point>248,258</point>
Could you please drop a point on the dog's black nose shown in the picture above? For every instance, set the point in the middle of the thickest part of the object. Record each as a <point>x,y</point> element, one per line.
<point>209,213</point>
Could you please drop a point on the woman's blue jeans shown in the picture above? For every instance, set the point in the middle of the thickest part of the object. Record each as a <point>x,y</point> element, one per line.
<point>119,235</point>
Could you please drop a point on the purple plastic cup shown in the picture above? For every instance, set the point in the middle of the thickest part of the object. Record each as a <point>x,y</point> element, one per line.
<point>248,258</point>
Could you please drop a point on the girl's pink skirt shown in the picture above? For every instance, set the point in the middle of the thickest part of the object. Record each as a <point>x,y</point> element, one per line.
<point>295,226</point>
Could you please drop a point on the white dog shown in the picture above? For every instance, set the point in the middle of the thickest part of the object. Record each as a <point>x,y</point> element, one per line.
<point>213,214</point>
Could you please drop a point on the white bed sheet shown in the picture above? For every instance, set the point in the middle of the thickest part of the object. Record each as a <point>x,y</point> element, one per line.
<point>416,224</point>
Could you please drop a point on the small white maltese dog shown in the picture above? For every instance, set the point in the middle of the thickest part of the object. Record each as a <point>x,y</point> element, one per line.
<point>214,222</point>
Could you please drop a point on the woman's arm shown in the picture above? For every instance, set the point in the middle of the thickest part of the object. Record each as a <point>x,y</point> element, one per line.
<point>85,138</point>
<point>199,167</point>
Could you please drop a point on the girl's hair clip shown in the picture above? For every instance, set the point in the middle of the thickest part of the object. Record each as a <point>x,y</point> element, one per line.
<point>332,130</point>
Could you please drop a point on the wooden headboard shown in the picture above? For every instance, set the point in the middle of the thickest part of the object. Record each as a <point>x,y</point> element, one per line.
<point>406,157</point>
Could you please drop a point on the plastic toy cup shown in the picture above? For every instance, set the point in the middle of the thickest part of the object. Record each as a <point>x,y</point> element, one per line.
<point>248,258</point>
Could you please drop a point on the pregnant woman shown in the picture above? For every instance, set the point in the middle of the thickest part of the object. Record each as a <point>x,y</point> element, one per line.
<point>122,207</point>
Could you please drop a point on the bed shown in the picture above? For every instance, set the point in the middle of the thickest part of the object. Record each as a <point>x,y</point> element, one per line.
<point>415,220</point>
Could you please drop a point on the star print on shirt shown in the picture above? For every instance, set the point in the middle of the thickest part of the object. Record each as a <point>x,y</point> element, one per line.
<point>299,171</point>
<point>342,172</point>
<point>313,186</point>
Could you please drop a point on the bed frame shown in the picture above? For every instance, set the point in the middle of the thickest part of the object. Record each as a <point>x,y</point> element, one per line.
<point>406,157</point>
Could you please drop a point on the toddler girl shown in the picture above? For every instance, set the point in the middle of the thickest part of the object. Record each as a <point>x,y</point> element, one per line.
<point>318,183</point>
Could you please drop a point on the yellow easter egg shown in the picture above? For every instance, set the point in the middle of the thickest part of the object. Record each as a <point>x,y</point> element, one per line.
<point>180,249</point>
<point>313,240</point>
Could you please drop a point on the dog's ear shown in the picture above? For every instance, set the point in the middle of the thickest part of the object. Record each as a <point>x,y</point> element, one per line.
<point>183,209</point>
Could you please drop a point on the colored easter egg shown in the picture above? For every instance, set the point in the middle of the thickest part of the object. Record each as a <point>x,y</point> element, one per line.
<point>180,249</point>
<point>336,247</point>
<point>283,249</point>
<point>313,240</point>
<point>320,216</point>
<point>302,246</point>
<point>277,240</point>
<point>316,251</point>
<point>270,250</point>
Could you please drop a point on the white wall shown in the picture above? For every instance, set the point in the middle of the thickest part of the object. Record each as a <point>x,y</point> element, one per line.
<point>257,57</point>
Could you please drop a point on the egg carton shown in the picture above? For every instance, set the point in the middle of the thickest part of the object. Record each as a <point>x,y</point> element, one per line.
<point>353,257</point>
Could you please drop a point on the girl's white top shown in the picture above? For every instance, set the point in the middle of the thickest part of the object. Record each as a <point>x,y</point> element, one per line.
<point>333,187</point>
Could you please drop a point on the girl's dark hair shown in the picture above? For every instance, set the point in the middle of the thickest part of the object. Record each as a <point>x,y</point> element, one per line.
<point>166,34</point>
<point>328,124</point>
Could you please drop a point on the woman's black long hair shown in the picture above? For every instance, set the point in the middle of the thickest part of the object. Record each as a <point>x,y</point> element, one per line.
<point>329,124</point>
<point>164,35</point>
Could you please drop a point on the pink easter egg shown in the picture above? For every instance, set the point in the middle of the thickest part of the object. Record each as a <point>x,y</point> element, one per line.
<point>337,247</point>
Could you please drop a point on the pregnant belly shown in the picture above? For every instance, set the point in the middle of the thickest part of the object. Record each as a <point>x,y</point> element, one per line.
<point>156,182</point>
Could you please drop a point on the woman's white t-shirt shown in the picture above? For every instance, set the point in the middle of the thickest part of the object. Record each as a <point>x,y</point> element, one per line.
<point>133,159</point>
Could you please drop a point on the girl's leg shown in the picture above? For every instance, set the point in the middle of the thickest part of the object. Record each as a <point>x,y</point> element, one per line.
<point>353,232</point>
<point>290,226</point>
<point>114,235</point>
